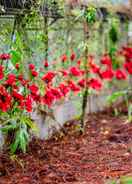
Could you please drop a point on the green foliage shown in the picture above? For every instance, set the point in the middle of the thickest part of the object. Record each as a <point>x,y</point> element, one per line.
<point>115,96</point>
<point>122,180</point>
<point>130,113</point>
<point>90,15</point>
<point>125,94</point>
<point>19,125</point>
<point>15,56</point>
<point>113,34</point>
<point>9,127</point>
<point>113,182</point>
<point>21,139</point>
<point>126,180</point>
<point>112,51</point>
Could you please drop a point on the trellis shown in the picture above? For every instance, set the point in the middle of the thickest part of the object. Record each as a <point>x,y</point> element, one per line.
<point>12,9</point>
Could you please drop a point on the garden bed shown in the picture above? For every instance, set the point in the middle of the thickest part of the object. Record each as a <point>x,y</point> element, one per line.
<point>98,156</point>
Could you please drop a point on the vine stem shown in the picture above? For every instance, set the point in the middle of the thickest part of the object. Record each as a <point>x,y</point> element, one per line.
<point>86,92</point>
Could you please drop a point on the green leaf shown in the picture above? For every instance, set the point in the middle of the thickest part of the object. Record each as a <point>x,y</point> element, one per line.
<point>113,34</point>
<point>116,112</point>
<point>90,14</point>
<point>126,180</point>
<point>21,139</point>
<point>130,113</point>
<point>27,121</point>
<point>14,145</point>
<point>7,128</point>
<point>15,56</point>
<point>115,96</point>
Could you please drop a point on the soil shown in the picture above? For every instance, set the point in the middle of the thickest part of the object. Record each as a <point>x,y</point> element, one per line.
<point>102,153</point>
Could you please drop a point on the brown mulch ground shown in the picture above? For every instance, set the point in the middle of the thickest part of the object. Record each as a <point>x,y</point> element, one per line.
<point>102,153</point>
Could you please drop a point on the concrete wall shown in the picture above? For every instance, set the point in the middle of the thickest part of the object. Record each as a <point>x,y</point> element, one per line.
<point>69,110</point>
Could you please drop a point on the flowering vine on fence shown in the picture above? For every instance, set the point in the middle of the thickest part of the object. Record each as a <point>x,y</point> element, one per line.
<point>46,86</point>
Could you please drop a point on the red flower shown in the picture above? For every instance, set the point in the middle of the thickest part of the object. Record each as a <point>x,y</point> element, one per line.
<point>128,67</point>
<point>106,60</point>
<point>108,74</point>
<point>73,86</point>
<point>3,90</point>
<point>82,83</point>
<point>22,80</point>
<point>1,72</point>
<point>127,53</point>
<point>48,98</point>
<point>120,75</point>
<point>93,67</point>
<point>56,92</point>
<point>4,106</point>
<point>128,49</point>
<point>95,84</point>
<point>17,95</point>
<point>28,103</point>
<point>5,99</point>
<point>64,72</point>
<point>34,73</point>
<point>79,62</point>
<point>5,56</point>
<point>5,102</point>
<point>20,77</point>
<point>64,58</point>
<point>34,89</point>
<point>11,79</point>
<point>46,64</point>
<point>31,66</point>
<point>64,89</point>
<point>48,77</point>
<point>17,66</point>
<point>82,72</point>
<point>75,71</point>
<point>15,87</point>
<point>73,56</point>
<point>1,75</point>
<point>21,104</point>
<point>36,98</point>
